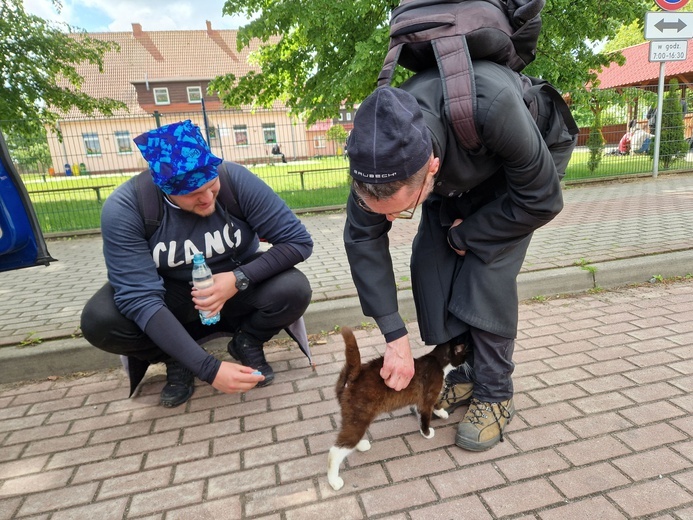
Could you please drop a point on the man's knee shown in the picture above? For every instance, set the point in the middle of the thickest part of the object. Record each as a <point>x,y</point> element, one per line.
<point>290,293</point>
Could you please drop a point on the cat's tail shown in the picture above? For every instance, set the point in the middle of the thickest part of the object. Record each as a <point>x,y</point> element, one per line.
<point>352,364</point>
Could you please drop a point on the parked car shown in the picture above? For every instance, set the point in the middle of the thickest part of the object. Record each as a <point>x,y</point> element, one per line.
<point>21,241</point>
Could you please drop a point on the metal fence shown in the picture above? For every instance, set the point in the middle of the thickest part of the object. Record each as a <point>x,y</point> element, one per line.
<point>68,176</point>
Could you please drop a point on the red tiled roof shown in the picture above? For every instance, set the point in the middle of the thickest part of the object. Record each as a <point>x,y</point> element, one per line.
<point>162,55</point>
<point>638,70</point>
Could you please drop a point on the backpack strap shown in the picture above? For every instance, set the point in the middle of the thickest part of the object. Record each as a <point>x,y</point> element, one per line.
<point>459,88</point>
<point>150,200</point>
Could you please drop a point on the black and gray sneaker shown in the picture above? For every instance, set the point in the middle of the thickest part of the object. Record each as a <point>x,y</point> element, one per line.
<point>180,384</point>
<point>249,351</point>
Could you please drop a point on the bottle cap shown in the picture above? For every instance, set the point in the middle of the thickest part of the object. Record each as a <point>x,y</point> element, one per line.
<point>198,258</point>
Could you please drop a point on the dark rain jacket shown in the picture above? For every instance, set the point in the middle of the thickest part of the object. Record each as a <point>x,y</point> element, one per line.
<point>503,191</point>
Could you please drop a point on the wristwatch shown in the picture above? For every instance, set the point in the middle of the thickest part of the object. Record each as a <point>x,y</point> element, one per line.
<point>242,281</point>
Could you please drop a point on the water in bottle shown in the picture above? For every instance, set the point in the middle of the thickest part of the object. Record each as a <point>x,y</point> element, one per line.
<point>202,279</point>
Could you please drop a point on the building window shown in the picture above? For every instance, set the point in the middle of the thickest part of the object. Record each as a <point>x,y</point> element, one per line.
<point>123,142</point>
<point>348,116</point>
<point>194,94</point>
<point>319,141</point>
<point>92,146</point>
<point>212,131</point>
<point>240,135</point>
<point>269,133</point>
<point>161,96</point>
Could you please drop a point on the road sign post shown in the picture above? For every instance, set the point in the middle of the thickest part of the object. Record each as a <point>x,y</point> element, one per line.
<point>668,33</point>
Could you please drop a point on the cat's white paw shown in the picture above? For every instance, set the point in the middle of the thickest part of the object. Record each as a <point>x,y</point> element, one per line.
<point>443,414</point>
<point>336,483</point>
<point>363,445</point>
<point>430,435</point>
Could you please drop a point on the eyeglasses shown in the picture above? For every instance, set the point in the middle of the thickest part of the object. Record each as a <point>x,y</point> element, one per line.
<point>406,214</point>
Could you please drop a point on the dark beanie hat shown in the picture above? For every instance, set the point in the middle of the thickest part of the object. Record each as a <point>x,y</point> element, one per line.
<point>390,141</point>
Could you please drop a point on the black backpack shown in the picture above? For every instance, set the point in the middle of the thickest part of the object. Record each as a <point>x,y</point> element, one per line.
<point>449,34</point>
<point>150,200</point>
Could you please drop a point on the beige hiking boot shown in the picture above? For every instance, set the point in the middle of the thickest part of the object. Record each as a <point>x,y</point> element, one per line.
<point>483,424</point>
<point>454,395</point>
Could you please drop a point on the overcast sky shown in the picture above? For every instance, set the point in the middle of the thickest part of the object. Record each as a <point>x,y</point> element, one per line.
<point>119,15</point>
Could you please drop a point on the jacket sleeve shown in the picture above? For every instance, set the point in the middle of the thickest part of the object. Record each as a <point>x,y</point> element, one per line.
<point>533,195</point>
<point>273,221</point>
<point>368,252</point>
<point>139,290</point>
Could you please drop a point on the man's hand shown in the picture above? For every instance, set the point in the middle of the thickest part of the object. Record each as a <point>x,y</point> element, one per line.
<point>455,224</point>
<point>215,297</point>
<point>398,366</point>
<point>233,378</point>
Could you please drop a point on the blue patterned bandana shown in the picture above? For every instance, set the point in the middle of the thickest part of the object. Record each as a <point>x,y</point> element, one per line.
<point>179,159</point>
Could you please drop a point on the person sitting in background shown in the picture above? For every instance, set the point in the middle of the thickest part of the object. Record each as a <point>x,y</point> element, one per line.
<point>640,139</point>
<point>624,144</point>
<point>276,150</point>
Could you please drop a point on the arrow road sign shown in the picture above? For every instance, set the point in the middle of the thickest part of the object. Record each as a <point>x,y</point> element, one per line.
<point>668,26</point>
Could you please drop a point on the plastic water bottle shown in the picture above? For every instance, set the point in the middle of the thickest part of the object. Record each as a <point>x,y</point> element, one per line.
<point>202,279</point>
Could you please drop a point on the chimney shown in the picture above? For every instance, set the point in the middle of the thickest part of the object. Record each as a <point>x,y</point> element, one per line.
<point>137,30</point>
<point>209,27</point>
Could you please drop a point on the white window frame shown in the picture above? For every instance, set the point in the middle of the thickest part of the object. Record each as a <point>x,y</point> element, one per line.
<point>191,91</point>
<point>158,91</point>
<point>241,130</point>
<point>124,136</point>
<point>92,138</point>
<point>268,128</point>
<point>320,141</point>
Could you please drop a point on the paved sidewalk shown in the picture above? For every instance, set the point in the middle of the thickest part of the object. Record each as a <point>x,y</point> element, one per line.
<point>650,219</point>
<point>604,427</point>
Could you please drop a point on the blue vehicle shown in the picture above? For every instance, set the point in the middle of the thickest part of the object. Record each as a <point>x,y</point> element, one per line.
<point>21,240</point>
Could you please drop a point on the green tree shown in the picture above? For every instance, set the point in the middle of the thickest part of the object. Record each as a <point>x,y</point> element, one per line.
<point>337,134</point>
<point>37,70</point>
<point>320,54</point>
<point>673,144</point>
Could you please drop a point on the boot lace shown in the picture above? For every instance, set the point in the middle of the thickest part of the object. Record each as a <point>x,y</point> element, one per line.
<point>479,410</point>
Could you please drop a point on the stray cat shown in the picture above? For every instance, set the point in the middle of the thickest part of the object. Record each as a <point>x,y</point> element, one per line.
<point>363,395</point>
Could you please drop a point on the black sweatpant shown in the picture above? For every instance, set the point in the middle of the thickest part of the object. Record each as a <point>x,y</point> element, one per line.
<point>262,311</point>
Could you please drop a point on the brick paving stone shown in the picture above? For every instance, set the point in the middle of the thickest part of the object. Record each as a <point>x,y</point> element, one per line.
<point>280,497</point>
<point>588,480</point>
<point>397,497</point>
<point>531,465</point>
<point>597,508</point>
<point>35,483</point>
<point>650,464</point>
<point>108,510</point>
<point>469,508</point>
<point>228,509</point>
<point>593,450</point>
<point>468,480</point>
<point>650,497</point>
<point>346,508</point>
<point>52,500</point>
<point>520,498</point>
<point>169,498</point>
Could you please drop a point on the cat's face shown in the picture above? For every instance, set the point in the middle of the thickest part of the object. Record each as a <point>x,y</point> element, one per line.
<point>457,353</point>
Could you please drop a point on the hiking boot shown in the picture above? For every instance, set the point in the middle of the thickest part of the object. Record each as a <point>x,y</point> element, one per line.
<point>483,424</point>
<point>179,385</point>
<point>249,351</point>
<point>455,395</point>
